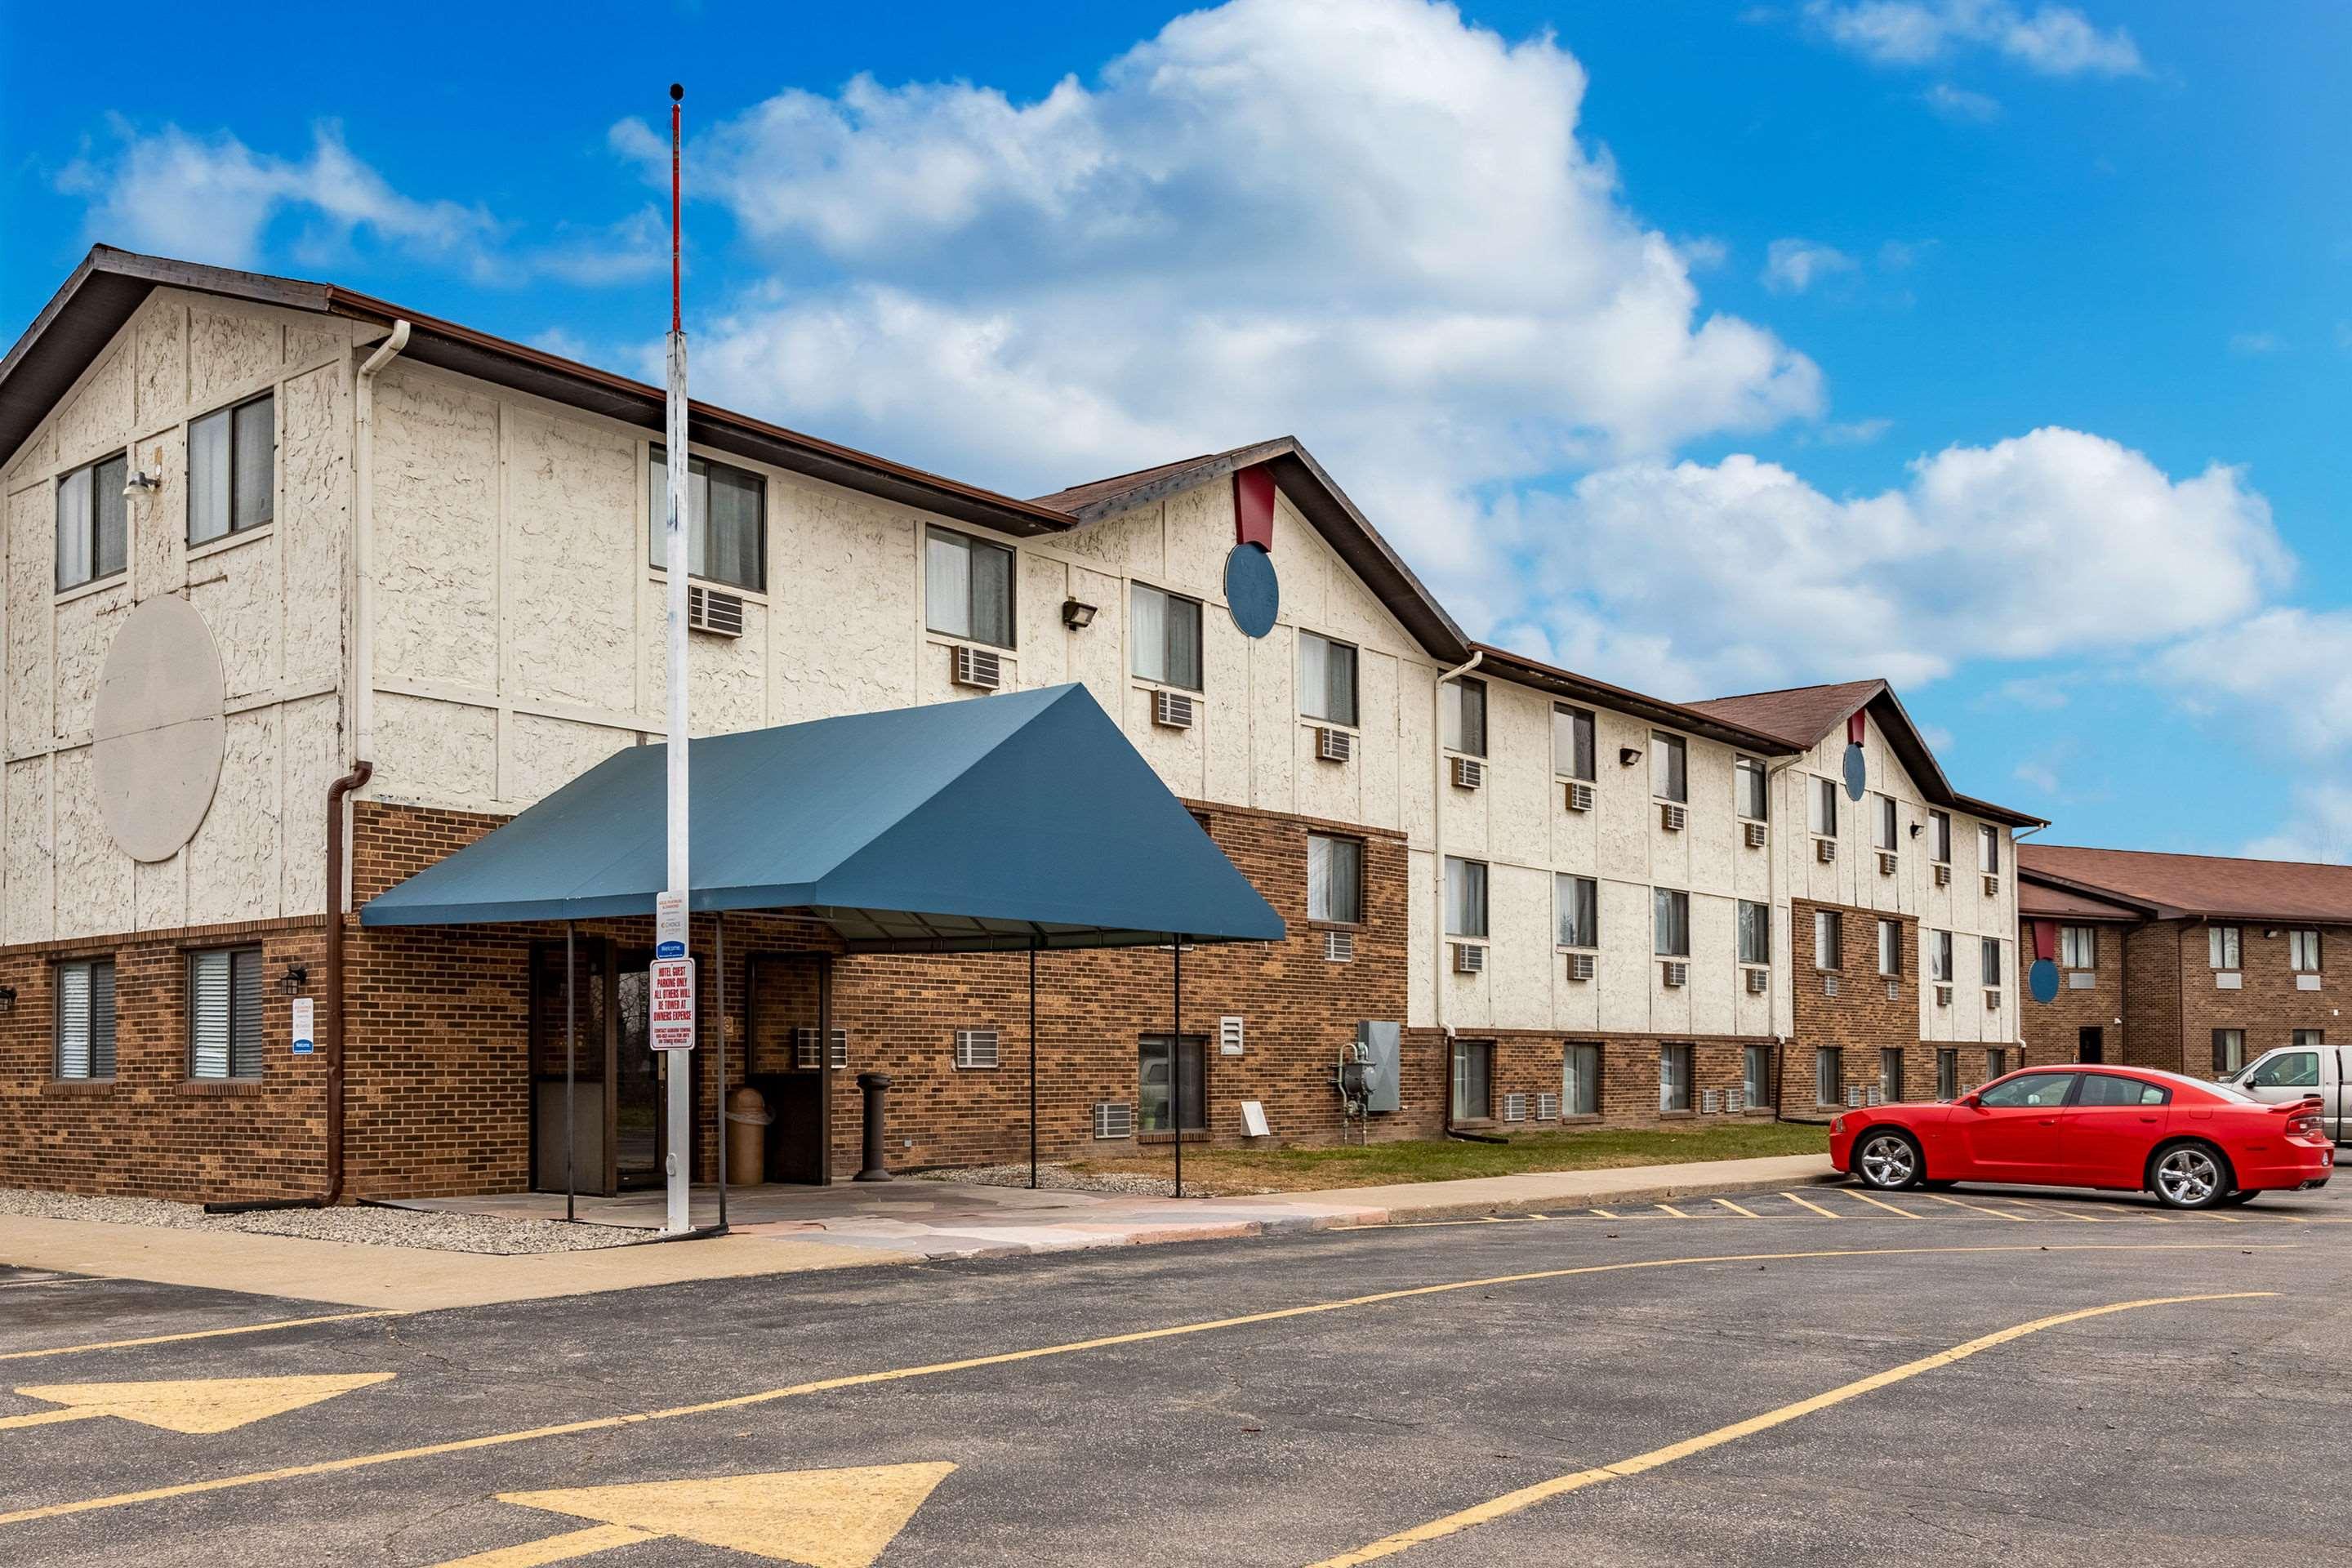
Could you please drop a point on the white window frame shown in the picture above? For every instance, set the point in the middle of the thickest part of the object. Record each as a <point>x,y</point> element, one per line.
<point>2303,949</point>
<point>1886,826</point>
<point>1829,941</point>
<point>963,621</point>
<point>1938,944</point>
<point>1579,1090</point>
<point>1580,723</point>
<point>1823,810</point>
<point>1756,1075</point>
<point>1322,708</point>
<point>1327,854</point>
<point>1890,948</point>
<point>1467,880</point>
<point>1940,837</point>
<point>1677,1064</point>
<point>1988,849</point>
<point>2224,943</point>
<point>1569,888</point>
<point>1669,757</point>
<point>1670,922</point>
<point>1159,666</point>
<point>1464,693</point>
<point>2078,947</point>
<point>1749,773</point>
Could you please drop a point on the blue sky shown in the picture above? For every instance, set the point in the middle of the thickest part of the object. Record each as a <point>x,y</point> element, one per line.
<point>1996,346</point>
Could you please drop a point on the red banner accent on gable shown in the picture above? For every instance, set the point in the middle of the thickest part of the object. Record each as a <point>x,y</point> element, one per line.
<point>1253,507</point>
<point>2045,939</point>
<point>1854,727</point>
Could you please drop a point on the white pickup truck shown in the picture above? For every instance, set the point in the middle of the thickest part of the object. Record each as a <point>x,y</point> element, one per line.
<point>2292,1072</point>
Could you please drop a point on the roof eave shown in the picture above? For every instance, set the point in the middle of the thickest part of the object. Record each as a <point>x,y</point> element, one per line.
<point>1558,682</point>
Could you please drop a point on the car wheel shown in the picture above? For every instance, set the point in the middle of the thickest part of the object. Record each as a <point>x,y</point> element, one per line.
<point>1887,1159</point>
<point>2189,1176</point>
<point>2240,1198</point>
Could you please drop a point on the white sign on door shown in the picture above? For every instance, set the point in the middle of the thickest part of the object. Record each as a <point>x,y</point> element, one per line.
<point>672,1005</point>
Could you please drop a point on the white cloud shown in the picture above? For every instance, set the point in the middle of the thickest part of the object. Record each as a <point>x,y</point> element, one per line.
<point>2053,40</point>
<point>2037,774</point>
<point>2285,674</point>
<point>1793,266</point>
<point>1852,432</point>
<point>1961,106</point>
<point>2250,346</point>
<point>2319,827</point>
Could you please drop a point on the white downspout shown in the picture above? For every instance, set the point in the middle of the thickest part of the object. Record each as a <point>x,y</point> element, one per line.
<point>364,558</point>
<point>1788,949</point>
<point>1437,856</point>
<point>2015,836</point>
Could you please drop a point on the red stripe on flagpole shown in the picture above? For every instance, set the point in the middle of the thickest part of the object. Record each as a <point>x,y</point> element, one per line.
<point>676,94</point>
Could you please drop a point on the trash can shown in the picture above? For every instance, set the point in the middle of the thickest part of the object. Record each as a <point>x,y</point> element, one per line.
<point>747,1137</point>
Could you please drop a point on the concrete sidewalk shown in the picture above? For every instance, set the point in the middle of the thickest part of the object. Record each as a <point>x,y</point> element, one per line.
<point>791,1230</point>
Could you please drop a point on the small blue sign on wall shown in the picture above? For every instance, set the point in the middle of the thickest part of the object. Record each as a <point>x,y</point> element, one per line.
<point>1856,773</point>
<point>1252,593</point>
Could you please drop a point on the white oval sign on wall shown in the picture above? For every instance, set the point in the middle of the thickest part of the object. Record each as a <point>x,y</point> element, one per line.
<point>157,734</point>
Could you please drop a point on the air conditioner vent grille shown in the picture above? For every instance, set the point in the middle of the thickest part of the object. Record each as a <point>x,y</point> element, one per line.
<point>1674,972</point>
<point>1114,1118</point>
<point>1825,851</point>
<point>1579,795</point>
<point>1514,1107</point>
<point>1469,958</point>
<point>1339,946</point>
<point>1754,832</point>
<point>975,1047</point>
<point>709,610</point>
<point>1334,745</point>
<point>1172,710</point>
<point>978,668</point>
<point>1583,965</point>
<point>1469,773</point>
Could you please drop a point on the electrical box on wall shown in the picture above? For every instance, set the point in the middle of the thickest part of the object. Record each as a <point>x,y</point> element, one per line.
<point>1386,1044</point>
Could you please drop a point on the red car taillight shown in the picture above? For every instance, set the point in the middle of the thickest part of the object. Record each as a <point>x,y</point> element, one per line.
<point>2305,1126</point>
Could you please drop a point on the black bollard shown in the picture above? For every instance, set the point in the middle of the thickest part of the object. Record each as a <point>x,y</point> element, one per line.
<point>874,1084</point>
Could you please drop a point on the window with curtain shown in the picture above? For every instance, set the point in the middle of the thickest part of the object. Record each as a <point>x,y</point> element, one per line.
<point>1326,680</point>
<point>1465,711</point>
<point>1939,836</point>
<point>1673,1079</point>
<point>1670,922</point>
<point>967,587</point>
<point>85,1018</point>
<point>1948,1075</point>
<point>1829,940</point>
<point>1890,1073</point>
<point>2078,947</point>
<point>1572,742</point>
<point>1939,955</point>
<point>1825,808</point>
<point>1578,902</point>
<point>1990,957</point>
<point>1883,808</point>
<point>1474,1080</point>
<point>1996,1064</point>
<point>1829,1076</point>
<point>1466,897</point>
<point>1755,932</point>
<point>1669,767</point>
<point>232,470</point>
<point>1749,796</point>
<point>2229,1050</point>
<point>93,522</point>
<point>1579,1081</point>
<point>1988,849</point>
<point>1756,1075</point>
<point>1164,639</point>
<point>1335,878</point>
<point>225,1013</point>
<point>1152,1100</point>
<point>725,521</point>
<point>2221,946</point>
<point>2303,951</point>
<point>1890,947</point>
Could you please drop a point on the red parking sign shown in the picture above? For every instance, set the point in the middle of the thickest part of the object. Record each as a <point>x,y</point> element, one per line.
<point>672,1024</point>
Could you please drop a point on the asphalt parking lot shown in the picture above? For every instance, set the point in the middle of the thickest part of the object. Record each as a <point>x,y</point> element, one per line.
<point>1811,1377</point>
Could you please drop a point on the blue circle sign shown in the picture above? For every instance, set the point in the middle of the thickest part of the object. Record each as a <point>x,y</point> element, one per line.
<point>2041,979</point>
<point>1252,594</point>
<point>1856,774</point>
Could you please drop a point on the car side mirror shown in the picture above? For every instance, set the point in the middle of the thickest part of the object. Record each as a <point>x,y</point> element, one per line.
<point>1970,1100</point>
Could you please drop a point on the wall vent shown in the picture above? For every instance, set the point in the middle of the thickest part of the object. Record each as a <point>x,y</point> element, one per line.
<point>975,1049</point>
<point>1579,795</point>
<point>1895,991</point>
<point>1754,832</point>
<point>1547,1107</point>
<point>1824,850</point>
<point>708,610</point>
<point>1735,1100</point>
<point>1873,1097</point>
<point>1514,1107</point>
<point>1854,1099</point>
<point>1229,1036</point>
<point>1672,817</point>
<point>1469,773</point>
<point>1710,1102</point>
<point>1943,875</point>
<point>1673,974</point>
<point>1114,1118</point>
<point>1581,965</point>
<point>1992,999</point>
<point>2082,980</point>
<point>1829,985</point>
<point>1758,980</point>
<point>1469,958</point>
<point>1943,993</point>
<point>805,1049</point>
<point>1887,862</point>
<point>1339,946</point>
<point>1172,710</point>
<point>1991,886</point>
<point>978,668</point>
<point>1334,745</point>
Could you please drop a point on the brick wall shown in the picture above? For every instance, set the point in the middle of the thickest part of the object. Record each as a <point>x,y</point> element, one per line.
<point>2268,1005</point>
<point>1529,1062</point>
<point>2052,1031</point>
<point>1870,1012</point>
<point>2152,996</point>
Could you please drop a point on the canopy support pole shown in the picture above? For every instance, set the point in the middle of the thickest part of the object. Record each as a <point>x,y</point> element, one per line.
<point>571,1106</point>
<point>1176,1055</point>
<point>719,1112</point>
<point>1032,1064</point>
<point>824,1069</point>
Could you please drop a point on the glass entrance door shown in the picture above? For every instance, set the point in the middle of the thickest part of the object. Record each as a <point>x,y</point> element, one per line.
<point>638,1075</point>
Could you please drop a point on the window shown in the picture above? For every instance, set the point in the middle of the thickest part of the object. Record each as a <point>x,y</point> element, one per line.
<point>2307,1037</point>
<point>1572,746</point>
<point>1939,836</point>
<point>1890,947</point>
<point>2221,946</point>
<point>2303,951</point>
<point>1464,713</point>
<point>1466,897</point>
<point>967,587</point>
<point>1474,1080</point>
<point>1749,798</point>
<point>1825,808</point>
<point>1940,956</point>
<point>1890,1073</point>
<point>1755,932</point>
<point>1326,680</point>
<point>1165,638</point>
<point>1948,1075</point>
<point>1335,878</point>
<point>1673,1079</point>
<point>725,521</point>
<point>2043,1090</point>
<point>1669,769</point>
<point>2229,1049</point>
<point>1829,1076</point>
<point>232,470</point>
<point>1829,940</point>
<point>2078,947</point>
<point>1989,956</point>
<point>1996,1063</point>
<point>225,1013</point>
<point>1987,850</point>
<point>93,522</point>
<point>1756,1075</point>
<point>1580,1081</point>
<point>1151,1084</point>
<point>1578,899</point>
<point>85,1018</point>
<point>2110,1088</point>
<point>1670,922</point>
<point>1882,823</point>
<point>2287,1070</point>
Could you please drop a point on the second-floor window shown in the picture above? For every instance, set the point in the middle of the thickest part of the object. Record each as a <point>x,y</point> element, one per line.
<point>2078,947</point>
<point>1882,823</point>
<point>1465,711</point>
<point>1829,940</point>
<point>1335,878</point>
<point>232,462</point>
<point>1988,849</point>
<point>93,522</point>
<point>1669,776</point>
<point>1940,956</point>
<point>1671,922</point>
<point>1939,836</point>
<point>1749,796</point>
<point>1890,947</point>
<point>1572,742</point>
<point>2303,951</point>
<point>1165,639</point>
<point>2221,946</point>
<point>1990,957</point>
<point>1326,680</point>
<point>967,587</point>
<point>1825,808</point>
<point>1466,897</point>
<point>1755,932</point>
<point>1579,911</point>
<point>725,521</point>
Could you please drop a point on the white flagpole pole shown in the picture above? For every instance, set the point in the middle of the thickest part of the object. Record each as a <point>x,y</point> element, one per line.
<point>677,561</point>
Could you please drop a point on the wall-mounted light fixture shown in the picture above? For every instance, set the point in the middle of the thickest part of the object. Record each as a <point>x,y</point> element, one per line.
<point>1917,829</point>
<point>1628,755</point>
<point>140,482</point>
<point>295,981</point>
<point>1077,615</point>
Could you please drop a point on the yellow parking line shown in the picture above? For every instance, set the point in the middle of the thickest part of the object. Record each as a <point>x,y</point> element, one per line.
<point>1559,1486</point>
<point>1604,1214</point>
<point>1674,1211</point>
<point>1735,1208</point>
<point>1882,1203</point>
<point>1826,1214</point>
<point>1007,1358</point>
<point>196,1334</point>
<point>1959,1203</point>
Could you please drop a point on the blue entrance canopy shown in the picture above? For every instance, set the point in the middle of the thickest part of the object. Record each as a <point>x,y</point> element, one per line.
<point>998,822</point>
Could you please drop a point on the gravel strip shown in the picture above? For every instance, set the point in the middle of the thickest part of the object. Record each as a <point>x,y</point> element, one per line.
<point>425,1229</point>
<point>1063,1179</point>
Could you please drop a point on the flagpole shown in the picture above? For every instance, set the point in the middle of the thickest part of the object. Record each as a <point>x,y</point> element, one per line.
<point>675,561</point>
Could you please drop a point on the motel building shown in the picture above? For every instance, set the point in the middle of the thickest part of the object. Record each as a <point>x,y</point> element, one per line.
<point>335,695</point>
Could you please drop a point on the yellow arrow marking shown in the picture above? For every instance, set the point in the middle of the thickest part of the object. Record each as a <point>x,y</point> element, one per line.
<point>200,1406</point>
<point>825,1519</point>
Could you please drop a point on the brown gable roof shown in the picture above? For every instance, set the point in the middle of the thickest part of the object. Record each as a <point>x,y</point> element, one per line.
<point>2195,887</point>
<point>1800,715</point>
<point>2045,901</point>
<point>1690,717</point>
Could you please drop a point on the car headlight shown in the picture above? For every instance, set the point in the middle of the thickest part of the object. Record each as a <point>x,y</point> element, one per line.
<point>1837,1124</point>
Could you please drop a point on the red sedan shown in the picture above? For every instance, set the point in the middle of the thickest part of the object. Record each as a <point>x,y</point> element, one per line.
<point>2194,1144</point>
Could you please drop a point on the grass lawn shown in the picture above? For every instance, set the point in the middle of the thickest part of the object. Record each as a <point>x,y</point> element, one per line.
<point>1445,1160</point>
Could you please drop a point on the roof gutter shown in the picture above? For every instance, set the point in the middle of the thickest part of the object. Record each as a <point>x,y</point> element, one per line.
<point>1437,856</point>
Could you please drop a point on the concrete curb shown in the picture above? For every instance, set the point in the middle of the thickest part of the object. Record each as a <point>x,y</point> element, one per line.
<point>1584,1203</point>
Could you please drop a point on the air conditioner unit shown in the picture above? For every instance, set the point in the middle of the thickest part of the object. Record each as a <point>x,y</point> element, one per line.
<point>1547,1107</point>
<point>1759,982</point>
<point>1114,1118</point>
<point>1172,710</point>
<point>979,667</point>
<point>1754,832</point>
<point>1829,985</point>
<point>1735,1100</point>
<point>1943,993</point>
<point>1334,745</point>
<point>1873,1097</point>
<point>1887,862</point>
<point>1854,1099</point>
<point>975,1049</point>
<point>1824,850</point>
<point>1895,991</point>
<point>708,610</point>
<point>1469,773</point>
<point>1672,817</point>
<point>1229,1036</point>
<point>1469,958</point>
<point>1992,999</point>
<point>1514,1107</point>
<point>805,1054</point>
<point>1579,796</point>
<point>1583,965</point>
<point>1710,1102</point>
<point>1943,874</point>
<point>1339,946</point>
<point>1673,974</point>
<point>1991,886</point>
